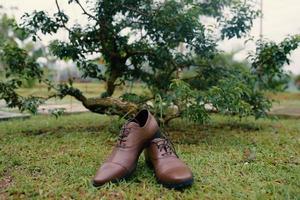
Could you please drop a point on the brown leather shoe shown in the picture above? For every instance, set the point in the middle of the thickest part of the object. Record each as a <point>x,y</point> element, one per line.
<point>135,135</point>
<point>170,171</point>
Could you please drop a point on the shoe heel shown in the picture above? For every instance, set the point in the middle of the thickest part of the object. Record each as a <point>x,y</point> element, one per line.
<point>147,159</point>
<point>156,135</point>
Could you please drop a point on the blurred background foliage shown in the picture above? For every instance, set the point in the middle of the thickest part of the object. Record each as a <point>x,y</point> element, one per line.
<point>178,60</point>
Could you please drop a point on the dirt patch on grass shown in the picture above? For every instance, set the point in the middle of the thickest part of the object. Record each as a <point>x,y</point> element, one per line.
<point>5,182</point>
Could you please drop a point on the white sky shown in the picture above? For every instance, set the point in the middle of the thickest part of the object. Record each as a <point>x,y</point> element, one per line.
<point>281,18</point>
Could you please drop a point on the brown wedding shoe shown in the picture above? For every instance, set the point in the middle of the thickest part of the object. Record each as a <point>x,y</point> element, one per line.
<point>135,135</point>
<point>170,171</point>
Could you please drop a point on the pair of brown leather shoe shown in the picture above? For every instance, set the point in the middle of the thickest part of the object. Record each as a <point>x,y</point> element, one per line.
<point>138,134</point>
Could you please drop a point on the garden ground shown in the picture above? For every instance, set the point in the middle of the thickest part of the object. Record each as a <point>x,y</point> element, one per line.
<point>45,157</point>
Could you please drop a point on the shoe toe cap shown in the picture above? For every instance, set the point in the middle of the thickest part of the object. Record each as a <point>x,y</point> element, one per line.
<point>109,172</point>
<point>177,175</point>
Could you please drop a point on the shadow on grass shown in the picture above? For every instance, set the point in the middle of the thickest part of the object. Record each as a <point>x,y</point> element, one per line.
<point>183,132</point>
<point>62,129</point>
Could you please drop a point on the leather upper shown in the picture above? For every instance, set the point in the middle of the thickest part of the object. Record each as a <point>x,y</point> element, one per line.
<point>168,167</point>
<point>123,159</point>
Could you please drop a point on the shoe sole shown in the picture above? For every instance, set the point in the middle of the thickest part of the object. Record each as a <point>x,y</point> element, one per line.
<point>177,186</point>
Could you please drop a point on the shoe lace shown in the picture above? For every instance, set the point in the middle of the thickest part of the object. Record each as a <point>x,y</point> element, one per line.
<point>124,132</point>
<point>166,145</point>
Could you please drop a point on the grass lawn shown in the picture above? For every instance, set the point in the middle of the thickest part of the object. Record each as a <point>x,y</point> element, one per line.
<point>44,157</point>
<point>286,99</point>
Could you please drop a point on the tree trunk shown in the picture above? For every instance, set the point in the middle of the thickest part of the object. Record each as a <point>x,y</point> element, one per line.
<point>110,85</point>
<point>115,73</point>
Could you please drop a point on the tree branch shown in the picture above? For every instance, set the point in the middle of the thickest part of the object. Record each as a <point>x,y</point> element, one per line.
<point>107,105</point>
<point>110,105</point>
<point>139,52</point>
<point>167,120</point>
<point>59,11</point>
<point>85,12</point>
